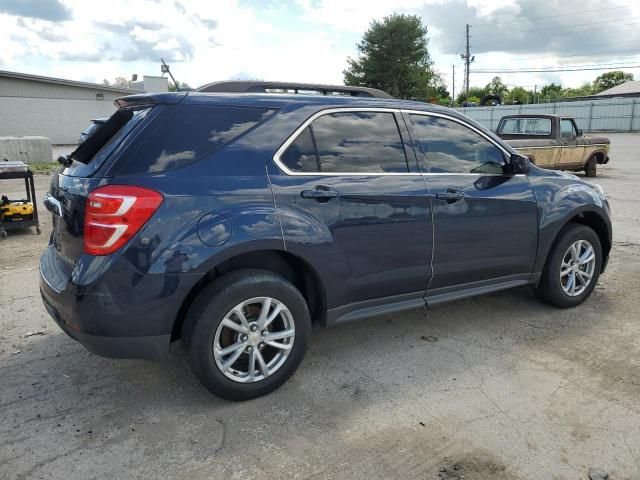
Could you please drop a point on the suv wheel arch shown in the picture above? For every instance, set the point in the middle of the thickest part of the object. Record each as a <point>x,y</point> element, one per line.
<point>590,219</point>
<point>293,268</point>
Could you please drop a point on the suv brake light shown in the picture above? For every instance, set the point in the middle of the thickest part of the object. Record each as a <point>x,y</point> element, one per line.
<point>114,214</point>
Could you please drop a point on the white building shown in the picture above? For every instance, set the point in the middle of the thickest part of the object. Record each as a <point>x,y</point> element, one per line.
<point>57,108</point>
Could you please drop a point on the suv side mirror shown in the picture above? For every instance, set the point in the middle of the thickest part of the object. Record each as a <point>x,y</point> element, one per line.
<point>579,132</point>
<point>519,164</point>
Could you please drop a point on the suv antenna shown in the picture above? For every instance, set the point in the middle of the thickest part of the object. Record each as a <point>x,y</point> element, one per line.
<point>165,68</point>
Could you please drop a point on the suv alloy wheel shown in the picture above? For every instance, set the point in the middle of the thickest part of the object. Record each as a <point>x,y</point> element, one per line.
<point>246,333</point>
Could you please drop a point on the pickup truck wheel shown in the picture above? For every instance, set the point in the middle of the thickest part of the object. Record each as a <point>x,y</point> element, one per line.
<point>591,167</point>
<point>246,334</point>
<point>572,268</point>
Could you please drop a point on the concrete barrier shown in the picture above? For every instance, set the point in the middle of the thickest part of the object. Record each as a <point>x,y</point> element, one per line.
<point>26,149</point>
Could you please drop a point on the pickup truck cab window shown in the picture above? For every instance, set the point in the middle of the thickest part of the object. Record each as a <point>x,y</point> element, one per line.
<point>450,147</point>
<point>567,128</point>
<point>526,126</point>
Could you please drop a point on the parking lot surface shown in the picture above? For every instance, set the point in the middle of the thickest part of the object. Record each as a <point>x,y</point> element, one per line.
<point>499,387</point>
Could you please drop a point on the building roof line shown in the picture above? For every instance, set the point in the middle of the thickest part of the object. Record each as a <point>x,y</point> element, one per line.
<point>72,83</point>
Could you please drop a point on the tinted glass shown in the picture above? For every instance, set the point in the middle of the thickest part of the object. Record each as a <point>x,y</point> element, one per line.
<point>450,147</point>
<point>90,129</point>
<point>92,153</point>
<point>188,133</point>
<point>526,126</point>
<point>359,142</point>
<point>301,155</point>
<point>566,127</point>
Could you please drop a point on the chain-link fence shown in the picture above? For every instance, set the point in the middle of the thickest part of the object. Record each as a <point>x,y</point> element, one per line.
<point>606,115</point>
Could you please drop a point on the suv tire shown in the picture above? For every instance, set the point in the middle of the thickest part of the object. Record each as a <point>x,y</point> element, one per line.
<point>570,274</point>
<point>205,337</point>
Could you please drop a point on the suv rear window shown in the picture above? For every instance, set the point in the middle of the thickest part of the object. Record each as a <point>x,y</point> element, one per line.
<point>187,134</point>
<point>91,153</point>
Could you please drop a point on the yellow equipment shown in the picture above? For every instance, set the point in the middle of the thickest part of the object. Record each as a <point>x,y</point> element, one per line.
<point>15,211</point>
<point>15,214</point>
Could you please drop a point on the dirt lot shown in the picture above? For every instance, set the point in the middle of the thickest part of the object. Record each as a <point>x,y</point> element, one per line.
<point>499,387</point>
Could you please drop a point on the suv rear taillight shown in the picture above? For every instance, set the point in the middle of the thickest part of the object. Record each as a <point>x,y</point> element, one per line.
<point>114,214</point>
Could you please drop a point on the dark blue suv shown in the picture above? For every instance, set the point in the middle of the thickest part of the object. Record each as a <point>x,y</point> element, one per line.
<point>233,221</point>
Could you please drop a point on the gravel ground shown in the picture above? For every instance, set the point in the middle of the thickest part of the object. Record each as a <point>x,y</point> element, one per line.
<point>496,387</point>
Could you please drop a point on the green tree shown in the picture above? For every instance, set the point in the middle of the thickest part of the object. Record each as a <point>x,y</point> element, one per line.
<point>496,87</point>
<point>550,92</point>
<point>518,96</point>
<point>184,87</point>
<point>476,92</point>
<point>117,82</point>
<point>121,82</point>
<point>610,80</point>
<point>393,56</point>
<point>582,91</point>
<point>437,90</point>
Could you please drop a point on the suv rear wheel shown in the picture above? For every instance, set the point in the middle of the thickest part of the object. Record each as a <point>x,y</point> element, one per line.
<point>246,334</point>
<point>572,268</point>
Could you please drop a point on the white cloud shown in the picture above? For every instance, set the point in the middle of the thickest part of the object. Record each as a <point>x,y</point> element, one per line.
<point>301,40</point>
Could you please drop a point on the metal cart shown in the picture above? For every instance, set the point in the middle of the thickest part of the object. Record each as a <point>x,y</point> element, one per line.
<point>14,170</point>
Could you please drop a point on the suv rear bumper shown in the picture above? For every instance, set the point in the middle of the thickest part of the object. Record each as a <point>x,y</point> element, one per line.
<point>147,347</point>
<point>118,312</point>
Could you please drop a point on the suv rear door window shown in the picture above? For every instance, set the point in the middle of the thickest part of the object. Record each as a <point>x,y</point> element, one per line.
<point>450,147</point>
<point>367,142</point>
<point>301,156</point>
<point>187,134</point>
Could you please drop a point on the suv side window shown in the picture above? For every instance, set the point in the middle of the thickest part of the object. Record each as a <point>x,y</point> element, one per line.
<point>187,133</point>
<point>567,129</point>
<point>367,142</point>
<point>450,147</point>
<point>301,156</point>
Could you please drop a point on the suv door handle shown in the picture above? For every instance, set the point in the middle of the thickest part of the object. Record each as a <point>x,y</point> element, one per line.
<point>450,196</point>
<point>320,192</point>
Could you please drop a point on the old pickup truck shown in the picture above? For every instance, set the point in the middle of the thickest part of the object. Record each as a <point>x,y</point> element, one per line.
<point>554,141</point>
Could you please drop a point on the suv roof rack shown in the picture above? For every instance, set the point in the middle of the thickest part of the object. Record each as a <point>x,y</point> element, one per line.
<point>241,86</point>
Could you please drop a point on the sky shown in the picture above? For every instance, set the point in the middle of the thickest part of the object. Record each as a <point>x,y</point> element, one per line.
<point>310,40</point>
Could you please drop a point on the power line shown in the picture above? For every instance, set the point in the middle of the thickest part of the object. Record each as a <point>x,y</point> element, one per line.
<point>545,70</point>
<point>583,65</point>
<point>571,26</point>
<point>549,16</point>
<point>586,54</point>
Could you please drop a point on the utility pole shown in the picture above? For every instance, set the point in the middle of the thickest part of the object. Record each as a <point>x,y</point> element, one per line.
<point>467,62</point>
<point>535,91</point>
<point>453,85</point>
<point>164,68</point>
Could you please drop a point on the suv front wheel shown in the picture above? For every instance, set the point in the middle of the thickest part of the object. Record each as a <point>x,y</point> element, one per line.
<point>572,268</point>
<point>246,334</point>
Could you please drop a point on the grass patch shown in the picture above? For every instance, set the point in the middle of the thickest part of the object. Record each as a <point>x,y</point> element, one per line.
<point>44,168</point>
